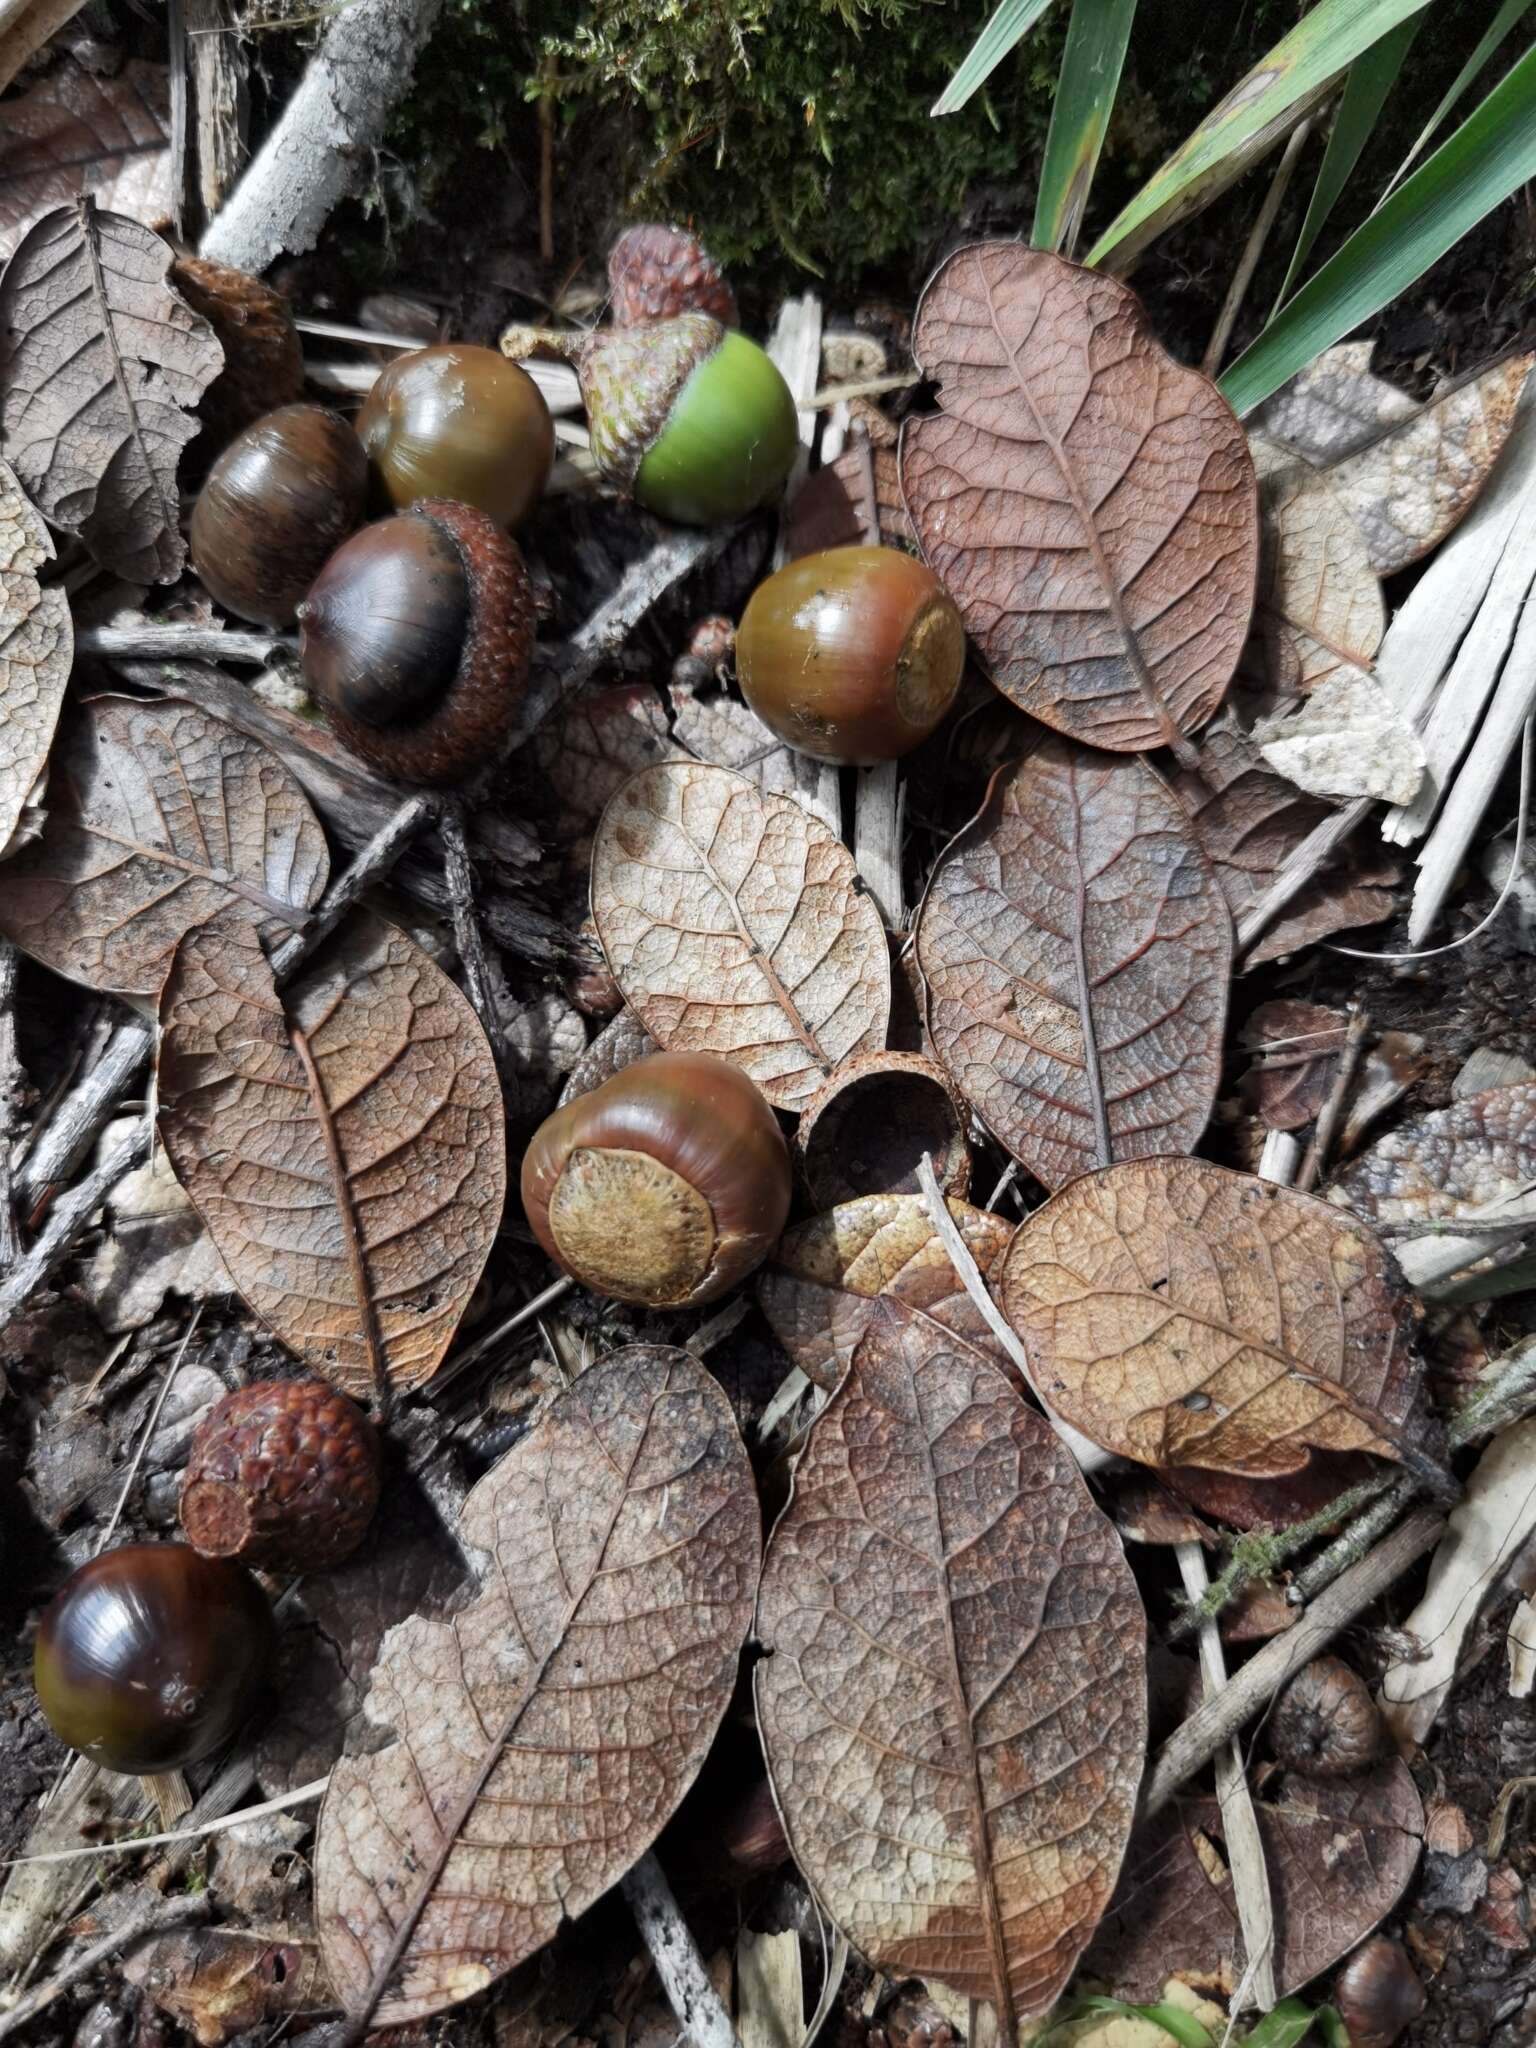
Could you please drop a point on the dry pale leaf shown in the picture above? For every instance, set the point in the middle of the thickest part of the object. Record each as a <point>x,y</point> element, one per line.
<point>160,819</point>
<point>74,132</point>
<point>1319,600</point>
<point>1339,1853</point>
<point>36,650</point>
<point>826,1275</point>
<point>1182,1314</point>
<point>735,923</point>
<point>1447,1161</point>
<point>590,750</point>
<point>953,1696</point>
<point>1296,1047</point>
<point>101,368</point>
<point>545,1734</point>
<point>1089,502</point>
<point>1076,951</point>
<point>345,1143</point>
<point>156,1245</point>
<point>1348,738</point>
<point>1407,472</point>
<point>829,509</point>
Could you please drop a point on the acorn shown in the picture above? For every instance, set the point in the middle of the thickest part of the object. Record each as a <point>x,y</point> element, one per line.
<point>1325,1724</point>
<point>463,423</point>
<point>416,638</point>
<point>281,497</point>
<point>151,1656</point>
<point>1378,1993</point>
<point>655,273</point>
<point>665,1186</point>
<point>689,417</point>
<point>284,1475</point>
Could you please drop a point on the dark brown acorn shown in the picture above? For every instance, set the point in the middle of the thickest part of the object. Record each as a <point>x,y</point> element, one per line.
<point>655,273</point>
<point>1325,1723</point>
<point>416,638</point>
<point>851,656</point>
<point>1378,1993</point>
<point>279,499</point>
<point>665,1186</point>
<point>462,423</point>
<point>151,1656</point>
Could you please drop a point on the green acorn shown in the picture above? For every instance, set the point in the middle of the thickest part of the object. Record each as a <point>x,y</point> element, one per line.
<point>688,416</point>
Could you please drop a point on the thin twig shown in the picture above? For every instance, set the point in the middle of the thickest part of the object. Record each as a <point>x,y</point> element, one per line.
<point>460,1362</point>
<point>150,1424</point>
<point>153,640</point>
<point>301,1796</point>
<point>1253,249</point>
<point>468,938</point>
<point>1332,1111</point>
<point>68,1217</point>
<point>86,1111</point>
<point>675,1954</point>
<point>155,1917</point>
<point>10,1091</point>
<point>1353,1543</point>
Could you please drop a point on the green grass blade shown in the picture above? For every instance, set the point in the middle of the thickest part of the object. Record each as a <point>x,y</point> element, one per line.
<point>1488,42</point>
<point>1085,99</point>
<point>1282,87</point>
<point>1371,77</point>
<point>1005,31</point>
<point>1490,155</point>
<point>1285,2025</point>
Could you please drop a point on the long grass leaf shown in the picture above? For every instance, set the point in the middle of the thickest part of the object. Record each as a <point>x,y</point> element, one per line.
<point>1085,99</point>
<point>1371,77</point>
<point>1004,32</point>
<point>1276,93</point>
<point>1490,155</point>
<point>1494,34</point>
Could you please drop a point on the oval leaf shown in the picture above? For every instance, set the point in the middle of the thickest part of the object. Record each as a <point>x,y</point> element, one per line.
<point>345,1144</point>
<point>76,132</point>
<point>1076,949</point>
<point>101,366</point>
<point>735,923</point>
<point>160,819</point>
<point>1448,1161</point>
<point>1089,502</point>
<point>953,1703</point>
<point>544,1735</point>
<point>1182,1314</point>
<point>36,649</point>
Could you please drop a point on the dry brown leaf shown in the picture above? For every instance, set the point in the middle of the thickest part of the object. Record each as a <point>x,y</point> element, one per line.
<point>866,1131</point>
<point>36,651</point>
<point>546,1733</point>
<point>1244,1503</point>
<point>1406,472</point>
<point>1296,1048</point>
<point>218,1982</point>
<point>622,1041</point>
<point>598,741</point>
<point>1089,503</point>
<point>1076,951</point>
<point>1319,601</point>
<point>1447,1161</point>
<point>1182,1314</point>
<point>75,132</point>
<point>1338,1852</point>
<point>820,1290</point>
<point>828,510</point>
<point>345,1143</point>
<point>736,924</point>
<point>160,819</point>
<point>953,1696</point>
<point>101,368</point>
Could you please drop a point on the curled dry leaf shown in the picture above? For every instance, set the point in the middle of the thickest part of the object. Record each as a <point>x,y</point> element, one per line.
<point>1089,503</point>
<point>344,1144</point>
<point>101,368</point>
<point>1448,1161</point>
<point>735,923</point>
<point>827,1274</point>
<point>75,132</point>
<point>1295,1047</point>
<point>545,1734</point>
<point>1246,1503</point>
<point>866,1131</point>
<point>1348,738</point>
<point>953,1699</point>
<point>1076,951</point>
<point>160,819</point>
<point>622,1041</point>
<point>1338,1852</point>
<point>1182,1314</point>
<point>36,650</point>
<point>1407,472</point>
<point>1319,601</point>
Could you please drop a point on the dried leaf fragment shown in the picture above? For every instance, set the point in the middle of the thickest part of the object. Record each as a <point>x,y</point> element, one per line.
<point>735,923</point>
<point>1348,738</point>
<point>1319,602</point>
<point>1182,1314</point>
<point>1447,1161</point>
<point>75,132</point>
<point>953,1700</point>
<point>1295,1047</point>
<point>1089,503</point>
<point>344,1144</point>
<point>546,1733</point>
<point>160,819</point>
<point>1076,951</point>
<point>36,650</point>
<point>101,368</point>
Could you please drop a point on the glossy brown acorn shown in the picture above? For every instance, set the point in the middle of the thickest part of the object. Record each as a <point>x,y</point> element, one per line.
<point>1325,1724</point>
<point>666,1185</point>
<point>462,423</point>
<point>151,1656</point>
<point>1378,1993</point>
<point>278,500</point>
<point>416,638</point>
<point>852,655</point>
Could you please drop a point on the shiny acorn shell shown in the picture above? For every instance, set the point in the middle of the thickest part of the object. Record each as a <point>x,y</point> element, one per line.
<point>458,422</point>
<point>151,1656</point>
<point>665,1186</point>
<point>282,496</point>
<point>853,655</point>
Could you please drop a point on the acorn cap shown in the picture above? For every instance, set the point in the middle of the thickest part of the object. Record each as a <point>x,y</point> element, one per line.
<point>655,273</point>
